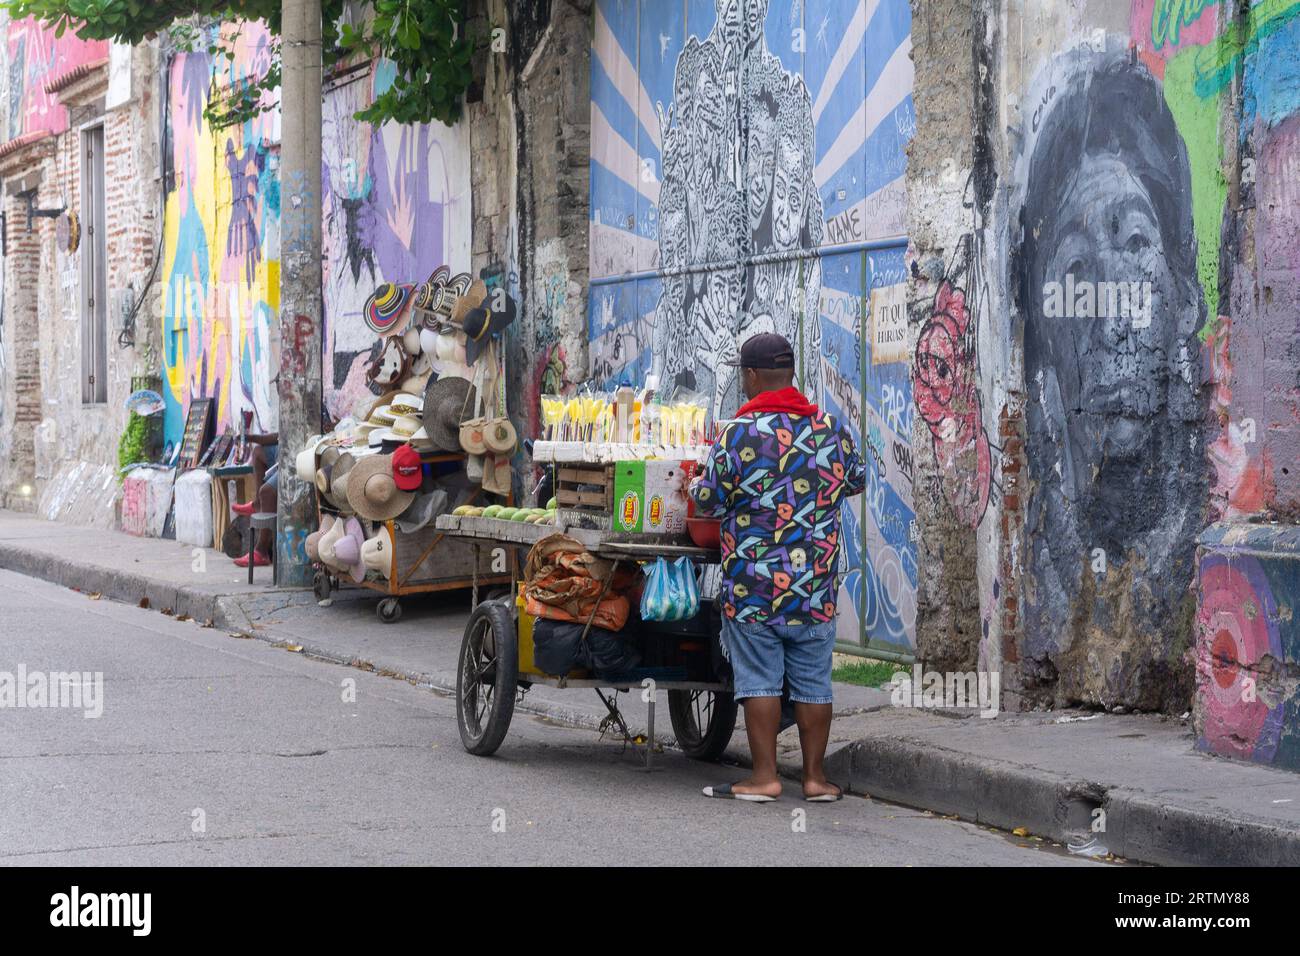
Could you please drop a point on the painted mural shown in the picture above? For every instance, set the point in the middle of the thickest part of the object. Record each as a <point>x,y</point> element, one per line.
<point>36,57</point>
<point>221,242</point>
<point>1247,637</point>
<point>1157,289</point>
<point>747,176</point>
<point>396,206</point>
<point>1111,304</point>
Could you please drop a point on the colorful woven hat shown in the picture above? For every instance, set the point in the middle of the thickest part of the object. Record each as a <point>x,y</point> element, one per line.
<point>385,305</point>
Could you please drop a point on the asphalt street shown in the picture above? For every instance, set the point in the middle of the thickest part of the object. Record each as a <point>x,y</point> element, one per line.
<point>213,750</point>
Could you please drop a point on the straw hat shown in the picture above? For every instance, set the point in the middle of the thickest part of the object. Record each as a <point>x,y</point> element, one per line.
<point>377,553</point>
<point>385,305</point>
<point>305,462</point>
<point>406,404</point>
<point>338,493</point>
<point>447,401</point>
<point>367,410</point>
<point>402,430</point>
<point>473,297</point>
<point>373,492</point>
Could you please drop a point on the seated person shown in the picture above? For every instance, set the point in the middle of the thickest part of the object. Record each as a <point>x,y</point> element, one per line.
<point>266,476</point>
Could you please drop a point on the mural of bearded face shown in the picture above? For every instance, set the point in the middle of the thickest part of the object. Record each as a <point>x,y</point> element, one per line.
<point>755,15</point>
<point>789,192</point>
<point>729,16</point>
<point>759,163</point>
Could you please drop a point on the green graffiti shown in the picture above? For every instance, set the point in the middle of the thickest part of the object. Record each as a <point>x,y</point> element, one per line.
<point>1168,17</point>
<point>1217,63</point>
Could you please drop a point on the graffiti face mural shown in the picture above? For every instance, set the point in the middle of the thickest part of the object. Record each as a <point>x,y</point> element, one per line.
<point>727,135</point>
<point>1114,411</point>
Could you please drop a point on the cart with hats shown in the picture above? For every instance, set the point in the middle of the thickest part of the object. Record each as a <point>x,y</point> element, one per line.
<point>422,447</point>
<point>390,494</point>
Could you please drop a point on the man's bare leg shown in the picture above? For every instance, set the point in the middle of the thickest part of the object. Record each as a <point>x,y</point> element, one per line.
<point>762,720</point>
<point>814,722</point>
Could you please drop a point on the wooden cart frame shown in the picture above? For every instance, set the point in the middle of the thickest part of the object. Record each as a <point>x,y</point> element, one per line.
<point>491,677</point>
<point>399,583</point>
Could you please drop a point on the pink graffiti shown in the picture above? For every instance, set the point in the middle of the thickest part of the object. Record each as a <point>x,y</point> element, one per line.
<point>1233,625</point>
<point>1160,28</point>
<point>1242,484</point>
<point>36,58</point>
<point>947,398</point>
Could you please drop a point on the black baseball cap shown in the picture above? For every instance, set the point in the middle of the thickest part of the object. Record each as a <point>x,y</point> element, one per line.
<point>765,350</point>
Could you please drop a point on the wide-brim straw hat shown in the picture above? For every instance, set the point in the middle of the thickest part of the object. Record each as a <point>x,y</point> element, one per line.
<point>447,402</point>
<point>373,492</point>
<point>338,493</point>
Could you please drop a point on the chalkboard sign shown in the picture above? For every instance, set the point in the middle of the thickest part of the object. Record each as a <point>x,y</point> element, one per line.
<point>198,431</point>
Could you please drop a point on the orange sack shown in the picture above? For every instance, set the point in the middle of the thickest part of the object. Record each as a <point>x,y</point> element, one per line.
<point>562,582</point>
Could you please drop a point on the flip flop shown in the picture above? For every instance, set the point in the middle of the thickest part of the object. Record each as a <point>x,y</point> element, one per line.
<point>723,791</point>
<point>827,797</point>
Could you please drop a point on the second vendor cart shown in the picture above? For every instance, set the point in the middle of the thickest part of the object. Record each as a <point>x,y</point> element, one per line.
<point>495,665</point>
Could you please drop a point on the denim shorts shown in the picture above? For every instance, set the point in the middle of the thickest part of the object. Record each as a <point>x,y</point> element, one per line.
<point>764,656</point>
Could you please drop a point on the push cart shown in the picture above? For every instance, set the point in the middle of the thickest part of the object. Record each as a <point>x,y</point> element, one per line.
<point>423,561</point>
<point>495,666</point>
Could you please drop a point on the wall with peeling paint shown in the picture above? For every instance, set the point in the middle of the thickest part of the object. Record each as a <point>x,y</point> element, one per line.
<point>1084,449</point>
<point>58,454</point>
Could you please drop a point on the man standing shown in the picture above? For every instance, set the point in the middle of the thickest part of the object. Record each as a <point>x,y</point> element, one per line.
<point>777,476</point>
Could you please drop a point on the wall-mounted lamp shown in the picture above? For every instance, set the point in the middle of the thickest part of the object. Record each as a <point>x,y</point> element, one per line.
<point>33,212</point>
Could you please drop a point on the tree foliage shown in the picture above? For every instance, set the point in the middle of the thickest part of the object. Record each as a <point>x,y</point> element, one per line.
<point>424,40</point>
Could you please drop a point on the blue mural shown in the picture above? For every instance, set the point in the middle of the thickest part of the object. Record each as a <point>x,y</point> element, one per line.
<point>747,176</point>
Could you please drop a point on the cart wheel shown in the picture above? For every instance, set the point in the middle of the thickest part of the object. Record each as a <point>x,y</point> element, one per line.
<point>703,721</point>
<point>486,678</point>
<point>389,610</point>
<point>320,585</point>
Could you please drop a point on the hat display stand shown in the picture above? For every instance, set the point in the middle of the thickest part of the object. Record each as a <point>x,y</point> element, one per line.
<point>422,559</point>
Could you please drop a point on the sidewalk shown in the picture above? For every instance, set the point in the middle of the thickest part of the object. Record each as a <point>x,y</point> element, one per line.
<point>1045,772</point>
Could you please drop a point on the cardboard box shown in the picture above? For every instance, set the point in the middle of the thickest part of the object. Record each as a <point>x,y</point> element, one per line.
<point>649,497</point>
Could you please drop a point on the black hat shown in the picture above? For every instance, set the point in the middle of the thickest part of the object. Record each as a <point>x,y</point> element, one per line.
<point>765,350</point>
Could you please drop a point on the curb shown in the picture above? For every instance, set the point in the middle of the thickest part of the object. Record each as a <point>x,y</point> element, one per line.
<point>123,586</point>
<point>1007,796</point>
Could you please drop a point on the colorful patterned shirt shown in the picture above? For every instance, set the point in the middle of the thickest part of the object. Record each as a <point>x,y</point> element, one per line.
<point>777,481</point>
